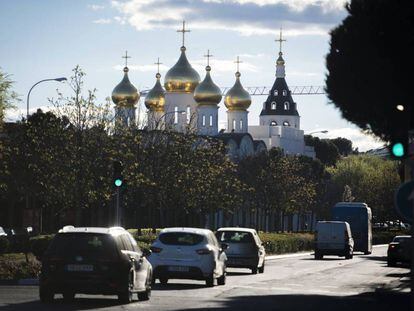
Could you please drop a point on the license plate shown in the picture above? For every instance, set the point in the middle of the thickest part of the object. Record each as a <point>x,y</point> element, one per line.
<point>178,269</point>
<point>79,268</point>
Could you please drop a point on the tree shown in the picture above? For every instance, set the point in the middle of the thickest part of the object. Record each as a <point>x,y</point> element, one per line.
<point>344,145</point>
<point>7,96</point>
<point>372,180</point>
<point>370,63</point>
<point>326,151</point>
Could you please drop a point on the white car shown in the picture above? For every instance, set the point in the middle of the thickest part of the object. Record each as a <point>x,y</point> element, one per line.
<point>188,253</point>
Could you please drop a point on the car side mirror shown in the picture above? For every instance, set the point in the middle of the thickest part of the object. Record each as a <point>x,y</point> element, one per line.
<point>146,252</point>
<point>224,246</point>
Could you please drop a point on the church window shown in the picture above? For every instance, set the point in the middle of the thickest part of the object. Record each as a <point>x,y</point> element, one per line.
<point>276,93</point>
<point>284,92</point>
<point>286,106</point>
<point>273,123</point>
<point>204,120</point>
<point>273,105</point>
<point>241,124</point>
<point>211,120</point>
<point>286,123</point>
<point>188,114</point>
<point>234,124</point>
<point>175,115</point>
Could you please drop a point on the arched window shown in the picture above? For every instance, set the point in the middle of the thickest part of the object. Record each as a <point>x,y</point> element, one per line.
<point>234,124</point>
<point>273,105</point>
<point>286,106</point>
<point>284,92</point>
<point>175,115</point>
<point>211,120</point>
<point>204,120</point>
<point>241,124</point>
<point>286,123</point>
<point>188,114</point>
<point>275,93</point>
<point>273,123</point>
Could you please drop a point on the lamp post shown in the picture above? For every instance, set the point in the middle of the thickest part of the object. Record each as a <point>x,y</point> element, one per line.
<point>44,80</point>
<point>27,118</point>
<point>323,131</point>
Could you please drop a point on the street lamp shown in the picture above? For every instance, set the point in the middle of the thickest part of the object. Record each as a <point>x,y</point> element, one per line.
<point>28,94</point>
<point>324,132</point>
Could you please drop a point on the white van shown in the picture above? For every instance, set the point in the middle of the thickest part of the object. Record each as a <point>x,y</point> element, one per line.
<point>333,238</point>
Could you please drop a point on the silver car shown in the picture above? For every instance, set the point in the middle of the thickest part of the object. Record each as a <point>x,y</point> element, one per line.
<point>245,248</point>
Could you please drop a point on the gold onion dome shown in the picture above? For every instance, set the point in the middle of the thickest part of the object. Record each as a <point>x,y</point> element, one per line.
<point>280,60</point>
<point>181,78</point>
<point>207,93</point>
<point>125,94</point>
<point>155,99</point>
<point>237,98</point>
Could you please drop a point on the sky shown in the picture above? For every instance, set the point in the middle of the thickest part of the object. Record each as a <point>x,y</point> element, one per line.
<point>48,38</point>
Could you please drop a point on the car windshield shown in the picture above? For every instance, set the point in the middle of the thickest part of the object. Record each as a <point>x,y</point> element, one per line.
<point>86,244</point>
<point>234,237</point>
<point>181,238</point>
<point>401,239</point>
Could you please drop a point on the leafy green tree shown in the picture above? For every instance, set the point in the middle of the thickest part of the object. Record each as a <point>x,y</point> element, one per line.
<point>369,65</point>
<point>326,151</point>
<point>372,180</point>
<point>344,145</point>
<point>8,97</point>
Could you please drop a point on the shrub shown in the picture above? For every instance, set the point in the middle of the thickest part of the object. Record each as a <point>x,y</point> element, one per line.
<point>280,243</point>
<point>4,244</point>
<point>386,237</point>
<point>39,244</point>
<point>13,270</point>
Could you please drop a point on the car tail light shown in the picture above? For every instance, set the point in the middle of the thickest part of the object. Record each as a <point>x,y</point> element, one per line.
<point>203,251</point>
<point>156,250</point>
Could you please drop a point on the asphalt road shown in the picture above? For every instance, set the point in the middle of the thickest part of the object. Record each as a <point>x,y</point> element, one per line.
<point>293,283</point>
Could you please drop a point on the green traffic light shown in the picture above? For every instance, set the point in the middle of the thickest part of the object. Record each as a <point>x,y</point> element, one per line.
<point>398,150</point>
<point>118,182</point>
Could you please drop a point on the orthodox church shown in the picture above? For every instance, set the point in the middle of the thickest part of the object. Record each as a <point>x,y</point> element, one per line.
<point>184,103</point>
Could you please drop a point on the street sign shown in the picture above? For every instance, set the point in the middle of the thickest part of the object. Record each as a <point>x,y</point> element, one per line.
<point>404,201</point>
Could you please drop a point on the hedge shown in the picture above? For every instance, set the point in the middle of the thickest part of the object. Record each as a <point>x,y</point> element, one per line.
<point>14,267</point>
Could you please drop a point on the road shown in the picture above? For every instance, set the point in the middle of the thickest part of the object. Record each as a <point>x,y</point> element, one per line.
<point>293,283</point>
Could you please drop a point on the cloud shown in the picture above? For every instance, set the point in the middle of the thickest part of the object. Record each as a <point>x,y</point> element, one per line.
<point>13,115</point>
<point>95,7</point>
<point>359,139</point>
<point>248,17</point>
<point>103,21</point>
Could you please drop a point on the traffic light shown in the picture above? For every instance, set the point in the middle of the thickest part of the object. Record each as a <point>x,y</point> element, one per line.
<point>117,170</point>
<point>399,145</point>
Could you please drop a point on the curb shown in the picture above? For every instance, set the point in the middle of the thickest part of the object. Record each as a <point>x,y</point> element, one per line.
<point>291,255</point>
<point>27,282</point>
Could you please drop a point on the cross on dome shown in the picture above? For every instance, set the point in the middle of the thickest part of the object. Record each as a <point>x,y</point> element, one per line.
<point>208,55</point>
<point>280,40</point>
<point>238,61</point>
<point>158,65</point>
<point>183,30</point>
<point>126,58</point>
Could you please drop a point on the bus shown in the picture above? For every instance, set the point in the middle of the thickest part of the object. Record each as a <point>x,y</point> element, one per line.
<point>359,216</point>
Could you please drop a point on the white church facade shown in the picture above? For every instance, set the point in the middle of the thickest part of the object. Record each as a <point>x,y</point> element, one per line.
<point>187,104</point>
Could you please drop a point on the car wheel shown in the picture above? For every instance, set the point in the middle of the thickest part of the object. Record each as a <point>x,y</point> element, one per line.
<point>145,295</point>
<point>46,295</point>
<point>126,295</point>
<point>222,280</point>
<point>261,269</point>
<point>68,296</point>
<point>367,253</point>
<point>318,256</point>
<point>391,263</point>
<point>163,281</point>
<point>254,270</point>
<point>210,281</point>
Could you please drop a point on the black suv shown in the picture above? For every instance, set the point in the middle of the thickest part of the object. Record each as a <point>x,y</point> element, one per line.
<point>91,260</point>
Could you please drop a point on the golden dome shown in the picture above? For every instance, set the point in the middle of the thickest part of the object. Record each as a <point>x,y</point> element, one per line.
<point>237,98</point>
<point>181,78</point>
<point>280,60</point>
<point>125,94</point>
<point>207,93</point>
<point>155,99</point>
